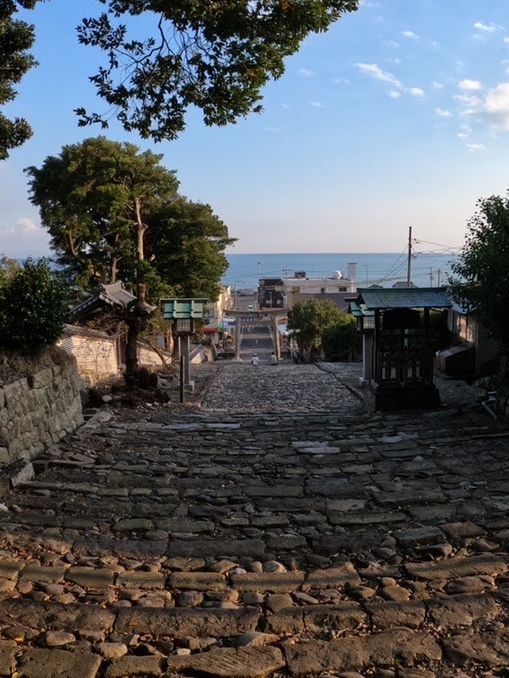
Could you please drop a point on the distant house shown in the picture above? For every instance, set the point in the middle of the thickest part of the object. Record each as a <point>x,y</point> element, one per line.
<point>403,285</point>
<point>340,299</point>
<point>473,352</point>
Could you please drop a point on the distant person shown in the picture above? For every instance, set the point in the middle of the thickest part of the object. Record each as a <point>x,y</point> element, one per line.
<point>273,358</point>
<point>254,360</point>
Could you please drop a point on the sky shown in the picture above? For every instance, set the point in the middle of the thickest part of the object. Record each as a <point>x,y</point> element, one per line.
<point>398,116</point>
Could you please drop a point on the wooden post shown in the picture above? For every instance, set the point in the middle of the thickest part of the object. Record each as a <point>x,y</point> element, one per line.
<point>182,385</point>
<point>187,371</point>
<point>237,338</point>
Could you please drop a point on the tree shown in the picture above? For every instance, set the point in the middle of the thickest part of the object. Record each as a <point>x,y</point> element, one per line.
<point>16,38</point>
<point>33,307</point>
<point>215,55</point>
<point>309,320</point>
<point>480,280</point>
<point>114,213</point>
<point>341,340</point>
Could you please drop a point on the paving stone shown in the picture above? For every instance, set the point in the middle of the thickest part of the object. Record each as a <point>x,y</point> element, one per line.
<point>39,573</point>
<point>485,648</point>
<point>57,638</point>
<point>332,578</point>
<point>55,616</point>
<point>197,581</point>
<point>249,662</point>
<point>141,579</point>
<point>90,577</point>
<point>10,568</point>
<point>276,582</point>
<point>359,652</point>
<point>390,614</point>
<point>185,525</point>
<point>462,610</point>
<point>216,547</point>
<point>456,567</point>
<point>134,666</point>
<point>36,663</point>
<point>416,536</point>
<point>366,518</point>
<point>8,650</point>
<point>133,525</point>
<point>187,622</point>
<point>345,615</point>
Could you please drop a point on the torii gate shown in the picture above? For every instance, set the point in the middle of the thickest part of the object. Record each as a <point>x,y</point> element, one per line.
<point>266,316</point>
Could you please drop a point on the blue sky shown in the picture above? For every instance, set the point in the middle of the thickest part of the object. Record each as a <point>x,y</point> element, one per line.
<point>398,116</point>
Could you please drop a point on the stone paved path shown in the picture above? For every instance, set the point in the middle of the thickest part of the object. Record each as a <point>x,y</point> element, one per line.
<point>250,545</point>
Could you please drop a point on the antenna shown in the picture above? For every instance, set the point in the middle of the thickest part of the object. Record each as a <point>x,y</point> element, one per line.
<point>409,265</point>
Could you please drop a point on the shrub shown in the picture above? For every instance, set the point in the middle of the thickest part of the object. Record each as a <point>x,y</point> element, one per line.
<point>33,308</point>
<point>341,341</point>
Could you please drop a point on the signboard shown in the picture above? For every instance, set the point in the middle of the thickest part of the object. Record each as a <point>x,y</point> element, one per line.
<point>184,309</point>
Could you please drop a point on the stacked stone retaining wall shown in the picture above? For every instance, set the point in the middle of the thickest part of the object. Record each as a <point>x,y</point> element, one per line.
<point>40,406</point>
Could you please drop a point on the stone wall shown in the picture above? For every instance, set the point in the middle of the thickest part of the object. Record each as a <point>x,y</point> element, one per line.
<point>39,403</point>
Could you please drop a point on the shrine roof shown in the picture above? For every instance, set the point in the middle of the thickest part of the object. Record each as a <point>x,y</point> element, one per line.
<point>412,297</point>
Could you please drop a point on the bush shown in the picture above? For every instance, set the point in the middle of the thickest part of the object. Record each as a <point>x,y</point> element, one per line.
<point>341,341</point>
<point>33,308</point>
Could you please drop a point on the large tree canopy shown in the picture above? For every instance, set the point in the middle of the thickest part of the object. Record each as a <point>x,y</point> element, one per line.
<point>16,39</point>
<point>163,56</point>
<point>114,213</point>
<point>212,54</point>
<point>481,280</point>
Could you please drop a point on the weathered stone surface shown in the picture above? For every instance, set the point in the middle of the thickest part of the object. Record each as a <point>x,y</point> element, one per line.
<point>8,650</point>
<point>453,568</point>
<point>39,573</point>
<point>462,610</point>
<point>249,662</point>
<point>56,617</point>
<point>141,580</point>
<point>311,618</point>
<point>9,568</point>
<point>90,577</point>
<point>359,652</point>
<point>419,535</point>
<point>35,663</point>
<point>197,581</point>
<point>187,622</point>
<point>134,666</point>
<point>216,547</point>
<point>388,614</point>
<point>332,577</point>
<point>276,582</point>
<point>485,648</point>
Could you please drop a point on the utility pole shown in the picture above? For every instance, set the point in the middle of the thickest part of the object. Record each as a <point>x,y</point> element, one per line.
<point>439,277</point>
<point>430,277</point>
<point>409,266</point>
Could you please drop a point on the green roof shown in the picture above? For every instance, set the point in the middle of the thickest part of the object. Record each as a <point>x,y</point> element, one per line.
<point>412,297</point>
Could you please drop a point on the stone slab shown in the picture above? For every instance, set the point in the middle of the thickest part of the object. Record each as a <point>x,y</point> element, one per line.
<point>245,662</point>
<point>45,663</point>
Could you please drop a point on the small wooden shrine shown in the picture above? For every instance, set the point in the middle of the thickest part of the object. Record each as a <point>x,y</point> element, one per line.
<point>397,345</point>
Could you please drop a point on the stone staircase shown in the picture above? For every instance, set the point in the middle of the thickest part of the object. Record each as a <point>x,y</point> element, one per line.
<point>244,546</point>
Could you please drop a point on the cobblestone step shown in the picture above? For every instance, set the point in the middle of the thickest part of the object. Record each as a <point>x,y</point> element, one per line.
<point>257,543</point>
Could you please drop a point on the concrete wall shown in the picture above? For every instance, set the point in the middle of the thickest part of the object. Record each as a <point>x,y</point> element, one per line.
<point>39,407</point>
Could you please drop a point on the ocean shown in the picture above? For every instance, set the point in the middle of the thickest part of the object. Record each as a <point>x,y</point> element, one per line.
<point>428,270</point>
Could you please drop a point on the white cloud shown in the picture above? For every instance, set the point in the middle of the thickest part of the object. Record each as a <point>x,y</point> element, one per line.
<point>410,35</point>
<point>496,105</point>
<point>468,100</point>
<point>485,28</point>
<point>462,136</point>
<point>394,94</point>
<point>506,40</point>
<point>306,72</point>
<point>316,104</point>
<point>376,72</point>
<point>443,113</point>
<point>28,226</point>
<point>475,147</point>
<point>470,85</point>
<point>342,81</point>
<point>416,92</point>
<point>434,43</point>
<point>437,85</point>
